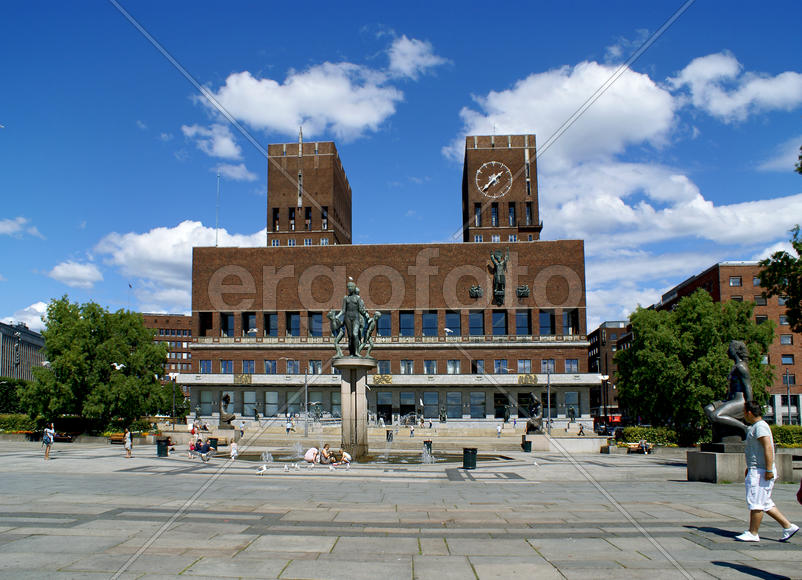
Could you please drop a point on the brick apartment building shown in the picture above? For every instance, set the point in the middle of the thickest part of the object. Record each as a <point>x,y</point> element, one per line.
<point>175,331</point>
<point>446,340</point>
<point>603,345</point>
<point>741,281</point>
<point>21,349</point>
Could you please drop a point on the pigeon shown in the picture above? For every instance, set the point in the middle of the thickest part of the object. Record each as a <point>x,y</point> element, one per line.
<point>286,468</point>
<point>297,468</point>
<point>261,470</point>
<point>331,468</point>
<point>118,366</point>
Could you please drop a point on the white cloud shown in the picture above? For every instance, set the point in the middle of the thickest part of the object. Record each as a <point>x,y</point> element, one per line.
<point>76,275</point>
<point>785,156</point>
<point>237,172</point>
<point>17,226</point>
<point>718,85</point>
<point>410,57</point>
<point>778,247</point>
<point>165,137</point>
<point>2,278</point>
<point>633,111</point>
<point>216,141</point>
<point>31,316</point>
<point>141,125</point>
<point>160,260</point>
<point>345,98</point>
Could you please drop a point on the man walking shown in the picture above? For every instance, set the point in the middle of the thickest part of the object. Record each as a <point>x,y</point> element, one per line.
<point>760,475</point>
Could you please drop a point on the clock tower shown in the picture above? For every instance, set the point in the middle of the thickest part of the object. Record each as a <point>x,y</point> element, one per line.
<point>499,189</point>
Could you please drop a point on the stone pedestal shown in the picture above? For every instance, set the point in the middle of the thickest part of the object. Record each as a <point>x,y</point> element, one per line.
<point>716,467</point>
<point>354,403</point>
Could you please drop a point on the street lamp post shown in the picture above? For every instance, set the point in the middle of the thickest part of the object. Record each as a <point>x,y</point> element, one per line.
<point>605,382</point>
<point>548,400</point>
<point>788,395</point>
<point>17,340</point>
<point>306,404</point>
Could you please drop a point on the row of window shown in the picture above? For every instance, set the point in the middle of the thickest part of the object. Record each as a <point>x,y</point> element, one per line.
<point>172,343</point>
<point>406,367</point>
<point>174,332</point>
<point>497,238</point>
<point>512,217</point>
<point>307,216</point>
<point>759,299</point>
<point>548,323</point>
<point>179,355</point>
<point>291,242</point>
<point>761,318</point>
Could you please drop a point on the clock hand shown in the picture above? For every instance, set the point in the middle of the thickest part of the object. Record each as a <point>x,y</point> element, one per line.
<point>493,179</point>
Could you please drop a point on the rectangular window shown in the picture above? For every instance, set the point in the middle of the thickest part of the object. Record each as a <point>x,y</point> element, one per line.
<point>781,300</point>
<point>227,367</point>
<point>570,322</point>
<point>523,322</point>
<point>454,405</point>
<point>324,241</point>
<point>430,367</point>
<point>524,366</point>
<point>325,220</point>
<point>293,324</point>
<point>572,365</point>
<point>453,324</point>
<point>247,367</point>
<point>513,237</point>
<point>431,404</point>
<point>294,403</point>
<point>336,404</point>
<point>476,322</point>
<point>477,214</point>
<point>291,243</point>
<point>452,367</point>
<point>761,318</point>
<point>789,379</point>
<point>755,281</point>
<point>292,218</point>
<point>500,366</point>
<point>511,213</point>
<point>307,241</point>
<point>495,238</point>
<point>315,324</point>
<point>383,367</point>
<point>736,298</point>
<point>315,367</point>
<point>547,365</point>
<point>206,367</point>
<point>271,324</point>
<point>384,326</point>
<point>528,217</point>
<point>308,219</point>
<point>226,324</point>
<point>249,324</point>
<point>478,367</point>
<point>572,403</point>
<point>429,323</point>
<point>270,367</point>
<point>736,281</point>
<point>477,405</point>
<point>293,367</point>
<point>406,323</point>
<point>274,242</point>
<point>494,214</point>
<point>786,339</point>
<point>407,367</point>
<point>547,326</point>
<point>787,359</point>
<point>477,238</point>
<point>760,300</point>
<point>499,322</point>
<point>275,219</point>
<point>783,320</point>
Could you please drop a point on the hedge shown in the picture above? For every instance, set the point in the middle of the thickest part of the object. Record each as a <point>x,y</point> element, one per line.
<point>16,422</point>
<point>655,435</point>
<point>787,435</point>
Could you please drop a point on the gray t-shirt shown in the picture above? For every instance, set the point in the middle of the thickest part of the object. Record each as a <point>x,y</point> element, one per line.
<point>755,457</point>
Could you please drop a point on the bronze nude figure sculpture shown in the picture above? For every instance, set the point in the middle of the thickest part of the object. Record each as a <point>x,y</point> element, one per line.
<point>727,416</point>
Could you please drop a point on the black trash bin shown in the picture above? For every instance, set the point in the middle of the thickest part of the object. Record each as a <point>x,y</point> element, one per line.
<point>469,458</point>
<point>527,446</point>
<point>389,435</point>
<point>213,442</point>
<point>428,445</point>
<point>162,447</point>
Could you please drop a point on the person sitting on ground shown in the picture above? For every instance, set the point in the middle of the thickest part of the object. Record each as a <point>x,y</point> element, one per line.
<point>311,455</point>
<point>191,449</point>
<point>326,456</point>
<point>234,450</point>
<point>205,451</point>
<point>345,458</point>
<point>205,427</point>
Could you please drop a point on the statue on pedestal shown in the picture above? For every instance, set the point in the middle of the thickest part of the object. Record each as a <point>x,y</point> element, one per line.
<point>354,323</point>
<point>727,416</point>
<point>498,263</point>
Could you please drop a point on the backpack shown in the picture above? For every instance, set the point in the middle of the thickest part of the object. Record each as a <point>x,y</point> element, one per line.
<point>46,439</point>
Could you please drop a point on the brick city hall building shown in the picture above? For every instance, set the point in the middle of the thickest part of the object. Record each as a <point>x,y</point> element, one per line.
<point>475,329</point>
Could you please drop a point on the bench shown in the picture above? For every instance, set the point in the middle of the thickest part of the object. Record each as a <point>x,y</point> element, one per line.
<point>636,448</point>
<point>117,438</point>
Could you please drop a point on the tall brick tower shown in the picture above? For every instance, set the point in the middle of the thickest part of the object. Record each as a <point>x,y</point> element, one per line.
<point>499,189</point>
<point>308,195</point>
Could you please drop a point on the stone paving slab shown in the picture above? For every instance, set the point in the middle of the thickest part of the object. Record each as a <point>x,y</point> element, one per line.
<point>84,515</point>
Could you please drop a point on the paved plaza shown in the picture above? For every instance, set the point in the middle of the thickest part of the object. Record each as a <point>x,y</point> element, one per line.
<point>91,513</point>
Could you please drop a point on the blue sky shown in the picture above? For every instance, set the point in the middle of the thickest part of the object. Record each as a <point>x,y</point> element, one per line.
<point>108,153</point>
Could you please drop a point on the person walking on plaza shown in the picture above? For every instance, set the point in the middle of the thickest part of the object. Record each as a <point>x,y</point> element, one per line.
<point>760,476</point>
<point>47,439</point>
<point>127,443</point>
<point>498,430</point>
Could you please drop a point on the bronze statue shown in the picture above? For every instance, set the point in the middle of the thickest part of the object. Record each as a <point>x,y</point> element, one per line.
<point>535,422</point>
<point>337,330</point>
<point>368,334</point>
<point>354,323</point>
<point>727,416</point>
<point>225,418</point>
<point>498,261</point>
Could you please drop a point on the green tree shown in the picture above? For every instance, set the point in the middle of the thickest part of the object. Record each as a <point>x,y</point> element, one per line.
<point>798,166</point>
<point>103,366</point>
<point>9,400</point>
<point>678,361</point>
<point>782,276</point>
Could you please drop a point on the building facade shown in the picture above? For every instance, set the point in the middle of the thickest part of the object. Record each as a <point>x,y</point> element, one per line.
<point>175,332</point>
<point>741,281</point>
<point>474,331</point>
<point>21,349</point>
<point>603,345</point>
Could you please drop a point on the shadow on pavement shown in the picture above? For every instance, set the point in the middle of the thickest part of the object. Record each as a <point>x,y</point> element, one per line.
<point>750,571</point>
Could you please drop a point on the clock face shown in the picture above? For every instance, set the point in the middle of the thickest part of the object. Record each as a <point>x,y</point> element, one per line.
<point>493,179</point>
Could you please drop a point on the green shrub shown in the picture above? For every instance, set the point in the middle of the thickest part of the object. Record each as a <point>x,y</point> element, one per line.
<point>16,422</point>
<point>787,435</point>
<point>655,435</point>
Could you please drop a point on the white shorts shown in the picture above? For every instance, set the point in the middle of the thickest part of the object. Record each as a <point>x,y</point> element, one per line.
<point>758,490</point>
